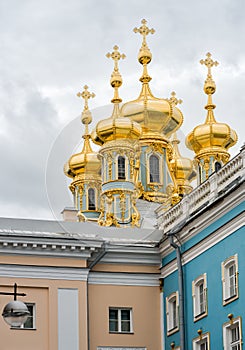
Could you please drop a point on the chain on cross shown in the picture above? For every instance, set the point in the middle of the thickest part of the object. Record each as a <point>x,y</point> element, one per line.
<point>86,95</point>
<point>116,56</point>
<point>209,63</point>
<point>173,99</point>
<point>144,30</point>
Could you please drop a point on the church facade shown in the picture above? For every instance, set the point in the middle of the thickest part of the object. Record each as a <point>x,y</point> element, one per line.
<point>145,260</point>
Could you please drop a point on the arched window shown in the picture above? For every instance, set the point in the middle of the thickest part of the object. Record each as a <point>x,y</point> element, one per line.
<point>217,166</point>
<point>91,199</point>
<point>154,168</point>
<point>121,172</point>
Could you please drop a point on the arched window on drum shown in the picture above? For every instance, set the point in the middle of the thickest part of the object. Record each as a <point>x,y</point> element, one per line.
<point>121,169</point>
<point>91,199</point>
<point>154,168</point>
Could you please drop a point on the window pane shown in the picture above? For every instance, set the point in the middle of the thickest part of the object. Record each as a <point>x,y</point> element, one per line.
<point>125,326</point>
<point>204,346</point>
<point>121,168</point>
<point>113,314</point>
<point>232,280</point>
<point>91,199</point>
<point>201,298</point>
<point>154,169</point>
<point>113,320</point>
<point>125,314</point>
<point>113,326</point>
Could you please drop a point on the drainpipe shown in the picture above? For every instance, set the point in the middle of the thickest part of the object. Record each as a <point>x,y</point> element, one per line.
<point>181,290</point>
<point>100,256</point>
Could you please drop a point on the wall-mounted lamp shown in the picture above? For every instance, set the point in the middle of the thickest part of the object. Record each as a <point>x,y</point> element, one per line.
<point>15,313</point>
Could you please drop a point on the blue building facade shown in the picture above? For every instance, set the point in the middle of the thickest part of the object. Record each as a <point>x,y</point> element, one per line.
<point>208,234</point>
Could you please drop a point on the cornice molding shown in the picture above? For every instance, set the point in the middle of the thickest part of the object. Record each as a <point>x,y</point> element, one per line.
<point>203,220</point>
<point>44,272</point>
<point>205,244</point>
<point>124,279</point>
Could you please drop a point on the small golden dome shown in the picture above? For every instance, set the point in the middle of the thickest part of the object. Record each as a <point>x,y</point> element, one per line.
<point>211,137</point>
<point>155,115</point>
<point>86,161</point>
<point>182,167</point>
<point>115,127</point>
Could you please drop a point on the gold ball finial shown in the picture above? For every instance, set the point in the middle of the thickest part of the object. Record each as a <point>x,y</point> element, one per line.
<point>209,86</point>
<point>145,55</point>
<point>86,95</point>
<point>116,78</point>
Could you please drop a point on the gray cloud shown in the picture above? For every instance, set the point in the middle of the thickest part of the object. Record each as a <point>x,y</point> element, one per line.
<point>50,49</point>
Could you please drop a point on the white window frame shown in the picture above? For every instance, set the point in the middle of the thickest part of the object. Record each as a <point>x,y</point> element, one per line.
<point>200,302</point>
<point>119,310</point>
<point>172,313</point>
<point>199,341</point>
<point>226,265</point>
<point>227,334</point>
<point>33,316</point>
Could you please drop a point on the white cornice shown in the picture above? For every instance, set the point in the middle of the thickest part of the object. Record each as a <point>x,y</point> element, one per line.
<point>205,244</point>
<point>204,219</point>
<point>124,279</point>
<point>44,272</point>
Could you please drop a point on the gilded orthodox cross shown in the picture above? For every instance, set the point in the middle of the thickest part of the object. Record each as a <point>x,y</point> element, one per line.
<point>86,95</point>
<point>209,63</point>
<point>173,99</point>
<point>144,31</point>
<point>116,56</point>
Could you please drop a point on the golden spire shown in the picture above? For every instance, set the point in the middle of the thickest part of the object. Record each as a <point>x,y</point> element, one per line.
<point>86,117</point>
<point>173,99</point>
<point>144,56</point>
<point>116,78</point>
<point>209,87</point>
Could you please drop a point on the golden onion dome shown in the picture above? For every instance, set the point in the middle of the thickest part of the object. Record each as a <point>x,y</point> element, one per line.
<point>86,161</point>
<point>181,167</point>
<point>212,136</point>
<point>115,127</point>
<point>155,115</point>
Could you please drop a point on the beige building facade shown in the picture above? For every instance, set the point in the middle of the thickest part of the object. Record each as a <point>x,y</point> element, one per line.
<point>85,291</point>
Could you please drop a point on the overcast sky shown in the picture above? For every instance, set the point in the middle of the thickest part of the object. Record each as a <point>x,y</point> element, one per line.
<point>50,49</point>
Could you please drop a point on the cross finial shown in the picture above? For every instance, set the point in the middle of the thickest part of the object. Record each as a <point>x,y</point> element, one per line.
<point>144,30</point>
<point>173,99</point>
<point>116,56</point>
<point>209,63</point>
<point>86,95</point>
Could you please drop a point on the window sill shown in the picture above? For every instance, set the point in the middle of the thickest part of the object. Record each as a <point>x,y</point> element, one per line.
<point>200,316</point>
<point>230,300</point>
<point>172,331</point>
<point>22,329</point>
<point>111,332</point>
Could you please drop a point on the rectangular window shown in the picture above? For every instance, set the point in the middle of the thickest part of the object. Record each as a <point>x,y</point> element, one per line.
<point>172,310</point>
<point>120,320</point>
<point>199,295</point>
<point>230,279</point>
<point>232,334</point>
<point>30,322</point>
